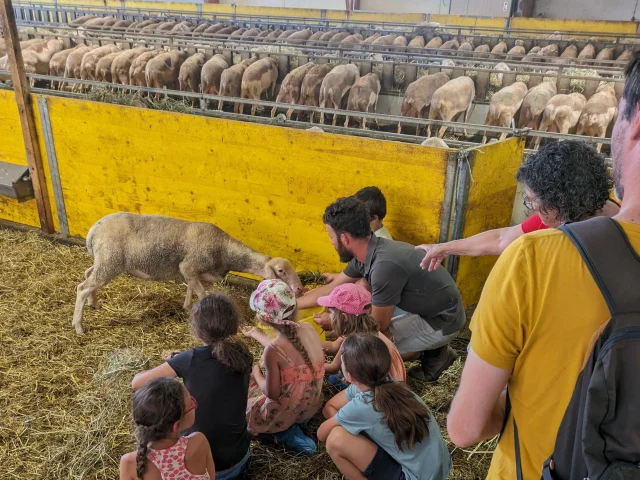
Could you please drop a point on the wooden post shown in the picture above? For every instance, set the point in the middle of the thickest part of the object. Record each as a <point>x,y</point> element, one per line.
<point>27,119</point>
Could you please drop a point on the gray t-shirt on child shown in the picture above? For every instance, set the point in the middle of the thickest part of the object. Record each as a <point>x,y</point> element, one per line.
<point>429,459</point>
<point>396,278</point>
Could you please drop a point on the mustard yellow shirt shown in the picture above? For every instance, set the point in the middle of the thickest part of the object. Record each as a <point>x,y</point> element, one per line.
<point>537,314</point>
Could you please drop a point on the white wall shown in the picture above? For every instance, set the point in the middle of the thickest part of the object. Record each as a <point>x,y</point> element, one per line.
<point>622,10</point>
<point>484,8</point>
<point>405,6</point>
<point>321,4</point>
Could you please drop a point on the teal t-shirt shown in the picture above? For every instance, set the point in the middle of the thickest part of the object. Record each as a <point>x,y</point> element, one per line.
<point>429,459</point>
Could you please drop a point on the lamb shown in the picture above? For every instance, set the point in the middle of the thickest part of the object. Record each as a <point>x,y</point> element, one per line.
<point>58,63</point>
<point>91,58</point>
<point>335,85</point>
<point>383,41</point>
<point>502,67</point>
<point>259,77</point>
<point>73,66</point>
<point>605,56</point>
<point>299,37</point>
<point>452,98</point>
<point>313,39</point>
<point>272,36</point>
<point>549,51</point>
<point>122,65</point>
<point>435,43</point>
<point>363,95</point>
<point>434,142</point>
<point>310,88</point>
<point>588,52</point>
<point>534,103</point>
<point>190,73</point>
<point>211,74</point>
<point>481,51</point>
<point>599,112</point>
<point>251,33</point>
<point>499,50</point>
<point>561,114</point>
<point>325,37</point>
<point>504,105</point>
<point>103,67</point>
<point>516,53</point>
<point>291,86</point>
<point>231,81</point>
<point>400,41</point>
<point>417,98</point>
<point>286,34</point>
<point>338,37</point>
<point>163,70</point>
<point>625,56</point>
<point>352,39</point>
<point>154,247</point>
<point>417,42</point>
<point>466,48</point>
<point>139,66</point>
<point>450,45</point>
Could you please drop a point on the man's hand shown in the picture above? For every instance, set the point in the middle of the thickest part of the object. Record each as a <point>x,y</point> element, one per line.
<point>323,319</point>
<point>435,254</point>
<point>329,277</point>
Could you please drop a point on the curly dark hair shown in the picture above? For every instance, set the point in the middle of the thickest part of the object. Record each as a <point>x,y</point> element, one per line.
<point>568,177</point>
<point>631,93</point>
<point>348,215</point>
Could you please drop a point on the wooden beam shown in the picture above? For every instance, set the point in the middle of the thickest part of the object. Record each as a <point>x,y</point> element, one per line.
<point>27,118</point>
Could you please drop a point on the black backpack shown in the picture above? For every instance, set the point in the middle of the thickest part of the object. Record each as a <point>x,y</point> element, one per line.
<point>599,437</point>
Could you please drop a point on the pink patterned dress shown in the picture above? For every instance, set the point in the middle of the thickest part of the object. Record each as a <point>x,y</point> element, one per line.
<point>300,398</point>
<point>170,462</point>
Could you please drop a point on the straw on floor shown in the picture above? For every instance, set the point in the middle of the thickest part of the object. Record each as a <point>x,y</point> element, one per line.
<point>65,398</point>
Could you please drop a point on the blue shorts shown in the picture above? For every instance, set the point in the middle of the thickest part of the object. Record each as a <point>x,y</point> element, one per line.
<point>383,467</point>
<point>234,471</point>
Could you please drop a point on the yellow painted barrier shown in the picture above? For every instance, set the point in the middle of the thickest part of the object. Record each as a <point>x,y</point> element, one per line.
<point>444,19</point>
<point>267,186</point>
<point>216,8</point>
<point>490,205</point>
<point>12,151</point>
<point>594,26</point>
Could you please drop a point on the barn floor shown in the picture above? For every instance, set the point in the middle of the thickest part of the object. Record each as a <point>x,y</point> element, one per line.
<point>65,398</point>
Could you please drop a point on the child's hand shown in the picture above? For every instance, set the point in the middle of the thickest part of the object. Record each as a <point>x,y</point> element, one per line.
<point>323,319</point>
<point>249,332</point>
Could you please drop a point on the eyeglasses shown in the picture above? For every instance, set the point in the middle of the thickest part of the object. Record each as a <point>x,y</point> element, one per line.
<point>528,203</point>
<point>194,405</point>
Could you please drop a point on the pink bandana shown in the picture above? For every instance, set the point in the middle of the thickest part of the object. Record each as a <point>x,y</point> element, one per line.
<point>274,302</point>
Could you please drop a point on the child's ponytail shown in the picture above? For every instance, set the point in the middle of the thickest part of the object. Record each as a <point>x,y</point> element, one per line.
<point>157,406</point>
<point>368,361</point>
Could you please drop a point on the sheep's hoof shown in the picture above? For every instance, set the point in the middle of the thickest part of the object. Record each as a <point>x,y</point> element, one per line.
<point>79,329</point>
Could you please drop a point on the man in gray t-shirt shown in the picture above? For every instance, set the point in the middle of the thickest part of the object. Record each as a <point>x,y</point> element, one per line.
<point>422,311</point>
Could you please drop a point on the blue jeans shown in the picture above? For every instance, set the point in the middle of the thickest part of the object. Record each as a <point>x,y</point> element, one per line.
<point>235,471</point>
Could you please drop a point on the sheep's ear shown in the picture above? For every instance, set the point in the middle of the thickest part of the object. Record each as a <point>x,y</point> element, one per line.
<point>269,272</point>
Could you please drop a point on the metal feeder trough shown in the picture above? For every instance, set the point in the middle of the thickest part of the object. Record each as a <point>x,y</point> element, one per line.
<point>15,182</point>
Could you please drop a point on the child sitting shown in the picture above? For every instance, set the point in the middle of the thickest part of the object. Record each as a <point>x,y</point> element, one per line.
<point>374,199</point>
<point>349,306</point>
<point>217,375</point>
<point>381,430</point>
<point>161,410</point>
<point>290,391</point>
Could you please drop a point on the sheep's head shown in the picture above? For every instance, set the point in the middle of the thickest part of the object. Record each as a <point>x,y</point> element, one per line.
<point>282,269</point>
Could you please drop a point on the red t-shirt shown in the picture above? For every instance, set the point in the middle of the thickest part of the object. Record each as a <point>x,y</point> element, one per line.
<point>533,224</point>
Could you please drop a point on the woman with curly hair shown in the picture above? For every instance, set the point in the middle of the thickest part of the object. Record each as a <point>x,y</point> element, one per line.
<point>566,181</point>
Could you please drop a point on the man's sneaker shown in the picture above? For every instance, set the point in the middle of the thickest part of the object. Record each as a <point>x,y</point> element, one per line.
<point>294,439</point>
<point>338,381</point>
<point>430,369</point>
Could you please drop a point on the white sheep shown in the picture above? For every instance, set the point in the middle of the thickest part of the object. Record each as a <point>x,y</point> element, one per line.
<point>154,247</point>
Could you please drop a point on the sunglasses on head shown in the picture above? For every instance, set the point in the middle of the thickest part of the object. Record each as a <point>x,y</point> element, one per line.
<point>194,405</point>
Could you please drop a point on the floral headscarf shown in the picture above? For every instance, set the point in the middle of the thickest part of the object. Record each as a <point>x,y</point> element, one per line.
<point>274,302</point>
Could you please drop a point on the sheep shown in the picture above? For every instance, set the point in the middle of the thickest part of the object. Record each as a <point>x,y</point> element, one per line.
<point>154,247</point>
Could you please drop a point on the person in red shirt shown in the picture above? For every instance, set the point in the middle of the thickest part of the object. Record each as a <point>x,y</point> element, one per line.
<point>566,181</point>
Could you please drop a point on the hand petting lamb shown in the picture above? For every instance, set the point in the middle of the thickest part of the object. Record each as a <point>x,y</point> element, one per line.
<point>154,247</point>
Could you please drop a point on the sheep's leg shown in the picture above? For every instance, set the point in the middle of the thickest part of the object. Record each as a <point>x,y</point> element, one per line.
<point>219,104</point>
<point>399,127</point>
<point>194,285</point>
<point>289,113</point>
<point>441,131</point>
<point>503,136</point>
<point>92,300</point>
<point>187,298</point>
<point>346,121</point>
<point>254,107</point>
<point>273,112</point>
<point>97,278</point>
<point>364,123</point>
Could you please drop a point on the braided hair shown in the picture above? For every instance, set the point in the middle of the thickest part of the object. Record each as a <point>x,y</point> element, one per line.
<point>157,406</point>
<point>291,332</point>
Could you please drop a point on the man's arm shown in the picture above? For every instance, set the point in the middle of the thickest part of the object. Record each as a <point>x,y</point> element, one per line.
<point>383,317</point>
<point>310,299</point>
<point>478,408</point>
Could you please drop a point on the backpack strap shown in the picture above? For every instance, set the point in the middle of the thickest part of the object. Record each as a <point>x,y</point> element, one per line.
<point>613,263</point>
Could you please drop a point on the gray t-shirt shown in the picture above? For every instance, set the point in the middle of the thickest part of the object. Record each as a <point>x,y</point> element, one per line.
<point>429,459</point>
<point>393,271</point>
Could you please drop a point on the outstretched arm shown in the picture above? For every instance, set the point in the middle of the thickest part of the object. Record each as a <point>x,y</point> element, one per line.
<point>491,242</point>
<point>310,299</point>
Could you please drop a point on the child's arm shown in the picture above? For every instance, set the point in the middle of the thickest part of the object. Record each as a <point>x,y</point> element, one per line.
<point>336,363</point>
<point>331,348</point>
<point>334,404</point>
<point>326,427</point>
<point>142,378</point>
<point>257,335</point>
<point>269,384</point>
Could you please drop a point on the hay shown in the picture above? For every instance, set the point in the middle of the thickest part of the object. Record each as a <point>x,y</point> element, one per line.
<point>578,86</point>
<point>65,398</point>
<point>136,99</point>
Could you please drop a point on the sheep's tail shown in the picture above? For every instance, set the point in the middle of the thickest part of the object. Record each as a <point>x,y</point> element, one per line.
<point>90,236</point>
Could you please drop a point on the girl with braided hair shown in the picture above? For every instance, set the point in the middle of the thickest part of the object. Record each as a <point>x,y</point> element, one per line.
<point>161,410</point>
<point>289,393</point>
<point>217,375</point>
<point>380,430</point>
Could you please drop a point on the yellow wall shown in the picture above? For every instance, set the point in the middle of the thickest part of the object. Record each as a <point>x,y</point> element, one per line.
<point>267,186</point>
<point>554,24</point>
<point>493,22</point>
<point>12,151</point>
<point>489,206</point>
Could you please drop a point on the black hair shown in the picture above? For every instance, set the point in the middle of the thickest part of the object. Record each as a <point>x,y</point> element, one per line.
<point>568,177</point>
<point>631,92</point>
<point>374,199</point>
<point>348,215</point>
<point>157,406</point>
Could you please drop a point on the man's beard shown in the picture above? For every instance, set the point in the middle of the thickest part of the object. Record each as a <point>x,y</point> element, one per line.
<point>345,255</point>
<point>618,186</point>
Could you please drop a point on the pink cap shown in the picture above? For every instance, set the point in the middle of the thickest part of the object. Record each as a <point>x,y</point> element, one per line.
<point>349,298</point>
